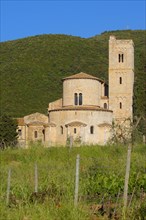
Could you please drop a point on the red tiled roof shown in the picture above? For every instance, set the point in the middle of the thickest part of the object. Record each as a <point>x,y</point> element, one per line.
<point>82,76</point>
<point>20,121</point>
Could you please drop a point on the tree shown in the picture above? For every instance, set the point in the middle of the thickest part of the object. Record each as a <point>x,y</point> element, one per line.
<point>121,132</point>
<point>8,131</point>
<point>126,132</point>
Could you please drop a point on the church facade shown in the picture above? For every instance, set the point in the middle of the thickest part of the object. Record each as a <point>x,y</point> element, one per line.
<point>88,105</point>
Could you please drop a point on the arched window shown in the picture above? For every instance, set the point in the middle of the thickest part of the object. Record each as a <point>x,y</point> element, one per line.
<point>35,134</point>
<point>80,99</point>
<point>120,80</point>
<point>19,132</point>
<point>76,99</point>
<point>92,129</point>
<point>105,105</point>
<point>61,129</point>
<point>120,105</point>
<point>75,130</point>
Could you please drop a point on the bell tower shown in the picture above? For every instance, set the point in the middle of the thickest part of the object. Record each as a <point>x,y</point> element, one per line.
<point>121,78</point>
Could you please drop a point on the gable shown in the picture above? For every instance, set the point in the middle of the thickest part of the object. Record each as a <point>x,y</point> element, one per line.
<point>36,118</point>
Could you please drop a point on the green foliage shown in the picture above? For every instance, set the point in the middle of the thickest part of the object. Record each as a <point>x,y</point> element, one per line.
<point>102,173</point>
<point>32,68</point>
<point>8,134</point>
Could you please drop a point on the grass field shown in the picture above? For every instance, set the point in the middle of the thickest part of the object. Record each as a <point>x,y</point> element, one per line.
<point>101,183</point>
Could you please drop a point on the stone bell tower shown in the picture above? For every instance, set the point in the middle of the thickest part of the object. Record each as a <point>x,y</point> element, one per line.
<point>121,78</point>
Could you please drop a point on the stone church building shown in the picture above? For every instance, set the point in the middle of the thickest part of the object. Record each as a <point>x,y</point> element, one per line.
<point>88,105</point>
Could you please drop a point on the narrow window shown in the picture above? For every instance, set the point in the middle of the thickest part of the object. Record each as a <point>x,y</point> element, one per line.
<point>61,129</point>
<point>76,99</point>
<point>119,58</point>
<point>35,134</point>
<point>106,90</point>
<point>91,130</point>
<point>75,130</point>
<point>105,105</point>
<point>19,132</point>
<point>43,131</point>
<point>80,99</point>
<point>120,80</point>
<point>122,58</point>
<point>120,105</point>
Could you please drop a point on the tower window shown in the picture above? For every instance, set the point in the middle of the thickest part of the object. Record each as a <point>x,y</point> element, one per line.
<point>105,105</point>
<point>61,129</point>
<point>76,99</point>
<point>120,105</point>
<point>80,99</point>
<point>92,129</point>
<point>121,58</point>
<point>35,134</point>
<point>75,130</point>
<point>120,79</point>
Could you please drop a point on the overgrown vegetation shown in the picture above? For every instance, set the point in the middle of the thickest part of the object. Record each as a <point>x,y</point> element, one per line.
<point>8,131</point>
<point>102,173</point>
<point>32,69</point>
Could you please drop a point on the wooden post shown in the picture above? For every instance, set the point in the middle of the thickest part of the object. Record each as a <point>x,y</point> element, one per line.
<point>77,180</point>
<point>144,139</point>
<point>127,176</point>
<point>35,178</point>
<point>8,186</point>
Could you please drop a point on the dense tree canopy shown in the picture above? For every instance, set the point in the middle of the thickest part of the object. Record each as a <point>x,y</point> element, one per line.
<point>32,69</point>
<point>8,131</point>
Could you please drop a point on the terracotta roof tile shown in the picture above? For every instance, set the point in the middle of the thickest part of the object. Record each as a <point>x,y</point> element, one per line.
<point>36,123</point>
<point>76,123</point>
<point>20,121</point>
<point>72,107</point>
<point>104,125</point>
<point>82,76</point>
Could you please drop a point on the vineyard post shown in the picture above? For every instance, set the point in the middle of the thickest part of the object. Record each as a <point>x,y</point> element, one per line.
<point>144,139</point>
<point>77,180</point>
<point>127,176</point>
<point>8,186</point>
<point>35,178</point>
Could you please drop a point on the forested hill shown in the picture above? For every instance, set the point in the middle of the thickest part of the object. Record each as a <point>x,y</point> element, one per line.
<point>32,68</point>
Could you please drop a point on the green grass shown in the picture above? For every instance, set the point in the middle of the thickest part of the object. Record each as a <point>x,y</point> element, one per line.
<point>102,172</point>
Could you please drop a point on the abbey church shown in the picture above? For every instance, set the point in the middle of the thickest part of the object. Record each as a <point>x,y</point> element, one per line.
<point>88,105</point>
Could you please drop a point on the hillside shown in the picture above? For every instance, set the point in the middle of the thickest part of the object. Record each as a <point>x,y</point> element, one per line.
<point>32,68</point>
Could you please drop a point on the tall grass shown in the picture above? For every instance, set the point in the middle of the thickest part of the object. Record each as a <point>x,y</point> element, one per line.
<point>102,171</point>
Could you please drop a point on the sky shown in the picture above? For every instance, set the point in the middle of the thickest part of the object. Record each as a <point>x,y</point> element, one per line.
<point>84,18</point>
